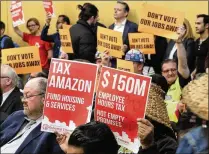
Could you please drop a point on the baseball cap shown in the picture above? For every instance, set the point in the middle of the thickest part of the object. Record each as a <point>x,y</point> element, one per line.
<point>135,56</point>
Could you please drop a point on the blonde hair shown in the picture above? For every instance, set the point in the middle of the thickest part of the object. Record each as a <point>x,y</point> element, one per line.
<point>189,33</point>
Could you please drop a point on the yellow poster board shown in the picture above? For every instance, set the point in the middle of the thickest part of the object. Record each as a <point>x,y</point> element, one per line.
<point>24,60</point>
<point>160,21</point>
<point>64,26</point>
<point>111,41</point>
<point>125,65</point>
<point>142,41</point>
<point>65,38</point>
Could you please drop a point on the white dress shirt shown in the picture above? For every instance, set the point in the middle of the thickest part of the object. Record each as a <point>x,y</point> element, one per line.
<point>120,27</point>
<point>12,146</point>
<point>5,95</point>
<point>172,52</point>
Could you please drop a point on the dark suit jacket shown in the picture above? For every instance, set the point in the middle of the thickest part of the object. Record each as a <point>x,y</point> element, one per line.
<point>130,27</point>
<point>11,104</point>
<point>37,142</point>
<point>189,45</point>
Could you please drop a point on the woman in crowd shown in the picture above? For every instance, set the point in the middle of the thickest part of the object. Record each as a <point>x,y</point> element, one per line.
<point>34,39</point>
<point>83,36</point>
<point>195,96</point>
<point>189,44</point>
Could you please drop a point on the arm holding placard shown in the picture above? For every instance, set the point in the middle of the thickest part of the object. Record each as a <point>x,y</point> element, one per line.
<point>183,68</point>
<point>18,31</point>
<point>44,33</point>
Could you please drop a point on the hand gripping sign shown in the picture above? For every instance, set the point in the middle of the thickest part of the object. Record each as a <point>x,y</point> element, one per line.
<point>121,99</point>
<point>69,97</point>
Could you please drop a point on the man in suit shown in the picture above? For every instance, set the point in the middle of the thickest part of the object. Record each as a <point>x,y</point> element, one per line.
<point>123,25</point>
<point>20,132</point>
<point>10,98</point>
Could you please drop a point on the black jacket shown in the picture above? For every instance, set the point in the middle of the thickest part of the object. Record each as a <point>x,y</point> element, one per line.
<point>189,45</point>
<point>12,103</point>
<point>83,41</point>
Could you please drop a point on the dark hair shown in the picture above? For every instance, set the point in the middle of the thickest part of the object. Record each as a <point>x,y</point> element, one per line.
<point>39,74</point>
<point>160,81</point>
<point>2,25</point>
<point>205,18</point>
<point>87,11</point>
<point>95,138</point>
<point>65,18</point>
<point>34,20</point>
<point>168,61</point>
<point>127,9</point>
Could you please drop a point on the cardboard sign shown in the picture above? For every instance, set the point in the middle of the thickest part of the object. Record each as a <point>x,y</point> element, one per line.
<point>24,60</point>
<point>17,13</point>
<point>160,21</point>
<point>69,97</point>
<point>142,41</point>
<point>66,44</point>
<point>121,99</point>
<point>49,8</point>
<point>110,40</point>
<point>64,26</point>
<point>125,65</point>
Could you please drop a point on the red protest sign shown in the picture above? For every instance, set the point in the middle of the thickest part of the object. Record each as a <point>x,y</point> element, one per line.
<point>121,99</point>
<point>17,13</point>
<point>48,6</point>
<point>69,97</point>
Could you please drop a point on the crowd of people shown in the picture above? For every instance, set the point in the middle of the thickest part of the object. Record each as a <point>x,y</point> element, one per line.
<point>176,119</point>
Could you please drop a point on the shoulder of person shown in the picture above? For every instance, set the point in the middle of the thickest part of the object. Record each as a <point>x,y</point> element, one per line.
<point>189,40</point>
<point>132,23</point>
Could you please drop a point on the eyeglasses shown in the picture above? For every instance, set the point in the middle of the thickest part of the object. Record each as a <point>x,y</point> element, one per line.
<point>167,71</point>
<point>4,77</point>
<point>28,97</point>
<point>31,26</point>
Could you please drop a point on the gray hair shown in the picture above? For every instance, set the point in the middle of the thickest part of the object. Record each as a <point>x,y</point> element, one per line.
<point>39,83</point>
<point>8,71</point>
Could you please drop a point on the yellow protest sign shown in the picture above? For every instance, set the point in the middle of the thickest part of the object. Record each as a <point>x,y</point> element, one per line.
<point>142,41</point>
<point>65,38</point>
<point>110,40</point>
<point>24,60</point>
<point>160,21</point>
<point>64,26</point>
<point>125,65</point>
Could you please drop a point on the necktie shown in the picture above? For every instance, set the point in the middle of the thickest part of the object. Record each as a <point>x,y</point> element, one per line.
<point>28,125</point>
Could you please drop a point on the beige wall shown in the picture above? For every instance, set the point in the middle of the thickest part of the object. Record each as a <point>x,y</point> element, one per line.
<point>35,9</point>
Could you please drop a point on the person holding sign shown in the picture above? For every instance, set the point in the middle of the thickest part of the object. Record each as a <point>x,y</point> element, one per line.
<point>20,132</point>
<point>188,42</point>
<point>177,77</point>
<point>54,38</point>
<point>123,25</point>
<point>34,39</point>
<point>82,35</point>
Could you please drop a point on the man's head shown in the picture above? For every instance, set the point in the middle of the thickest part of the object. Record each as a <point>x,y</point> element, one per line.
<point>92,138</point>
<point>169,70</point>
<point>33,97</point>
<point>202,24</point>
<point>137,58</point>
<point>2,28</point>
<point>38,74</point>
<point>33,25</point>
<point>89,13</point>
<point>62,19</point>
<point>121,10</point>
<point>8,78</point>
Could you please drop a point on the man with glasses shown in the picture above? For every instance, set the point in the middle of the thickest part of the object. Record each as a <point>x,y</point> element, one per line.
<point>21,132</point>
<point>177,77</point>
<point>10,98</point>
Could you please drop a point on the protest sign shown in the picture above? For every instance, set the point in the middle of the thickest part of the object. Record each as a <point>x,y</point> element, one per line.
<point>17,13</point>
<point>109,40</point>
<point>65,38</point>
<point>121,99</point>
<point>125,65</point>
<point>69,96</point>
<point>49,8</point>
<point>64,26</point>
<point>142,41</point>
<point>160,21</point>
<point>24,60</point>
